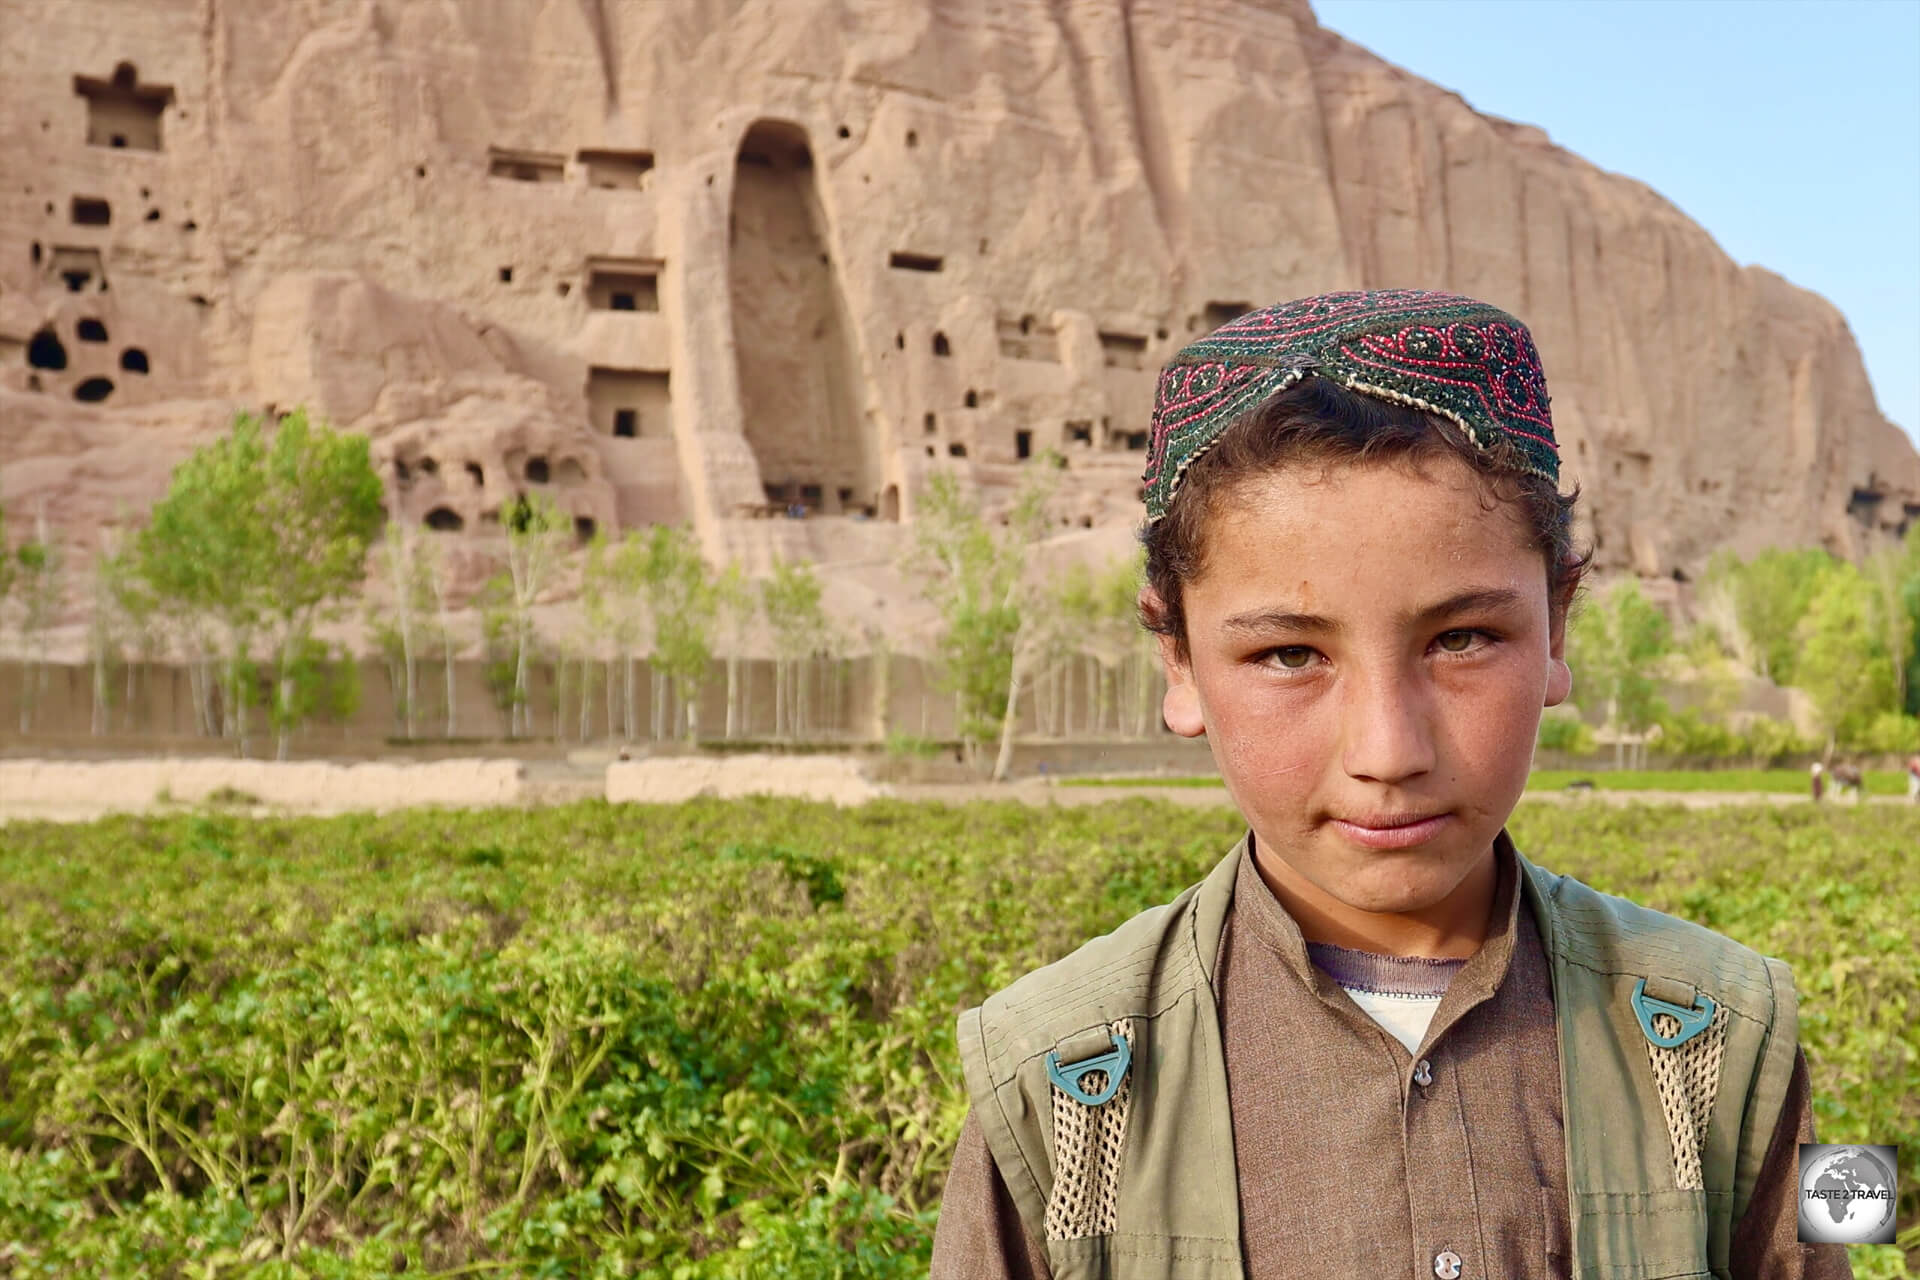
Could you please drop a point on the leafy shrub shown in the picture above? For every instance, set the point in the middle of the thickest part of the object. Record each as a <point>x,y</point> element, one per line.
<point>1891,733</point>
<point>1565,733</point>
<point>711,1041</point>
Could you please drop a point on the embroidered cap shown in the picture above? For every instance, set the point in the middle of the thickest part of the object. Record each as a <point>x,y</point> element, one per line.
<point>1463,360</point>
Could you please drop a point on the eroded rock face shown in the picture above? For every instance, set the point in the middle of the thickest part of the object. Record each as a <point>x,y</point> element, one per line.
<point>722,262</point>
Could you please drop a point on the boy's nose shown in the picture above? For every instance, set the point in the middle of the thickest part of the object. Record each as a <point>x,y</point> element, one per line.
<point>1388,728</point>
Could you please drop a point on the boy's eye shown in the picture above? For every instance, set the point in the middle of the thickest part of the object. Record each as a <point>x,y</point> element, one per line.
<point>1463,642</point>
<point>1294,657</point>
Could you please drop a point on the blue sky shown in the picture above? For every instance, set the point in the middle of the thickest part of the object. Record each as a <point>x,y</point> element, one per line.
<point>1789,129</point>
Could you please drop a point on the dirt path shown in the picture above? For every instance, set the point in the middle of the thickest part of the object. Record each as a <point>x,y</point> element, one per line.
<point>1046,791</point>
<point>80,792</point>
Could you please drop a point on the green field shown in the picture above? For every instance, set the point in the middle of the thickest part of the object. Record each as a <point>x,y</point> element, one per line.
<point>1877,782</point>
<point>702,1041</point>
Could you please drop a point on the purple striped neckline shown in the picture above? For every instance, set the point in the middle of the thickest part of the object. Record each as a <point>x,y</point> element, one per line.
<point>1414,976</point>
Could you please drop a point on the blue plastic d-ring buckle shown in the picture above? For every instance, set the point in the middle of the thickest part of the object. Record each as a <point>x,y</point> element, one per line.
<point>1692,1021</point>
<point>1113,1063</point>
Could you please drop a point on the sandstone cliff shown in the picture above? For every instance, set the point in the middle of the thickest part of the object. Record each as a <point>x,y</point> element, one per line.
<point>712,261</point>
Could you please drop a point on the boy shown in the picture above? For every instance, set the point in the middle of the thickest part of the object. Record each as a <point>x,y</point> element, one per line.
<point>1376,1041</point>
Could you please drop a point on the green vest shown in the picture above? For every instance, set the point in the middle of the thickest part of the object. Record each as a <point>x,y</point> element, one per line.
<point>1676,1048</point>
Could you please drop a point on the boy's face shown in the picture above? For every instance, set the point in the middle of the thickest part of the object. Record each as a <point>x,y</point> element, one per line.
<point>1369,644</point>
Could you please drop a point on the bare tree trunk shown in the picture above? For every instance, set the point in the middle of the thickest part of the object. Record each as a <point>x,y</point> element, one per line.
<point>733,694</point>
<point>1613,718</point>
<point>633,709</point>
<point>586,698</point>
<point>1066,698</point>
<point>99,722</point>
<point>406,651</point>
<point>1009,720</point>
<point>522,699</point>
<point>614,723</point>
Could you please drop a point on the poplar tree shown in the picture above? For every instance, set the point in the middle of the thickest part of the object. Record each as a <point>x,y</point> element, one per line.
<point>37,564</point>
<point>266,535</point>
<point>738,608</point>
<point>791,597</point>
<point>995,632</point>
<point>1614,644</point>
<point>681,602</point>
<point>538,533</point>
<point>1841,663</point>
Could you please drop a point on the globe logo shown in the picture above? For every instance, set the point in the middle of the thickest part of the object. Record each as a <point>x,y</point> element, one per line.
<point>1847,1194</point>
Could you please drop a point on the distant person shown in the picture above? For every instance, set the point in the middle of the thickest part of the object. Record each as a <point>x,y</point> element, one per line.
<point>1847,779</point>
<point>1343,1053</point>
<point>1819,780</point>
<point>1913,778</point>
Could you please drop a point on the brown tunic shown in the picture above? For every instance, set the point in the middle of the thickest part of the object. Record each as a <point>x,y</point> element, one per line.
<point>1348,1166</point>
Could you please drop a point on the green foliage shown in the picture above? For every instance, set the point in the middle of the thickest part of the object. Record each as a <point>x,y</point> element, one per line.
<point>1770,595</point>
<point>1613,644</point>
<point>683,602</point>
<point>538,535</point>
<point>323,684</point>
<point>264,535</point>
<point>1841,663</point>
<point>712,1041</point>
<point>1891,733</point>
<point>790,596</point>
<point>993,625</point>
<point>1565,733</point>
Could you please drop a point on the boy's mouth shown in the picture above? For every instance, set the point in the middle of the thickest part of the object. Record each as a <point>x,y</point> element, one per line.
<point>1391,831</point>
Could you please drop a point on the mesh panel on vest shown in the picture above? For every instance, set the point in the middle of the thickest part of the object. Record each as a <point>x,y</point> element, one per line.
<point>1689,1078</point>
<point>1087,1145</point>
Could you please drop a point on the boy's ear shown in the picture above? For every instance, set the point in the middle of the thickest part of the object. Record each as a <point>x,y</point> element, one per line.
<point>1559,674</point>
<point>1180,707</point>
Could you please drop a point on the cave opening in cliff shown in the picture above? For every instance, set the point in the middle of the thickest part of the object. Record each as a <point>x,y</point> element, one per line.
<point>801,408</point>
<point>1219,313</point>
<point>90,330</point>
<point>1864,504</point>
<point>1123,350</point>
<point>630,403</point>
<point>525,166</point>
<point>78,268</point>
<point>632,411</point>
<point>1028,339</point>
<point>44,351</point>
<point>445,520</point>
<point>122,112</point>
<point>134,360</point>
<point>623,284</point>
<point>616,170</point>
<point>93,390</point>
<point>903,260</point>
<point>91,211</point>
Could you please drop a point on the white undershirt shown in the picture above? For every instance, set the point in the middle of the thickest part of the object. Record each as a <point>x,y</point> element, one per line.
<point>1400,993</point>
<point>1405,1018</point>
